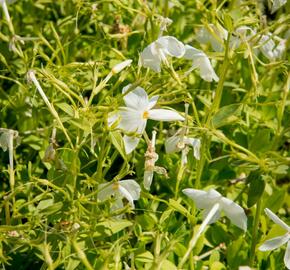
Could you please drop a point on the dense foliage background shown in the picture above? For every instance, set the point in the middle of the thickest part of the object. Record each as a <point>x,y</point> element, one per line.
<point>51,217</point>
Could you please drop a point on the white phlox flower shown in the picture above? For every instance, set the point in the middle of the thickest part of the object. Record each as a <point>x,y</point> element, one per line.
<point>128,189</point>
<point>156,53</point>
<point>277,4</point>
<point>133,117</point>
<point>215,36</point>
<point>150,158</point>
<point>209,199</point>
<point>201,62</point>
<point>280,240</point>
<point>164,22</point>
<point>179,142</point>
<point>269,48</point>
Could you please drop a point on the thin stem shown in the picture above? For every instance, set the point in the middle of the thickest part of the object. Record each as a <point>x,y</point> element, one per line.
<point>8,18</point>
<point>254,232</point>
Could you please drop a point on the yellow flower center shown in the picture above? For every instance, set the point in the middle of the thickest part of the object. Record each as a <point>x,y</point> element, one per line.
<point>146,115</point>
<point>115,186</point>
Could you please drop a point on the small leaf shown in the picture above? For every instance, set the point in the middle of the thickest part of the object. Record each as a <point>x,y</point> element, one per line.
<point>145,257</point>
<point>256,188</point>
<point>226,115</point>
<point>117,141</point>
<point>110,227</point>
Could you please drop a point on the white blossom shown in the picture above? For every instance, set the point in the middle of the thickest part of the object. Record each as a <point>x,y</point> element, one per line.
<point>280,240</point>
<point>129,189</point>
<point>119,67</point>
<point>208,199</point>
<point>179,142</point>
<point>156,53</point>
<point>201,62</point>
<point>277,4</point>
<point>215,36</point>
<point>133,117</point>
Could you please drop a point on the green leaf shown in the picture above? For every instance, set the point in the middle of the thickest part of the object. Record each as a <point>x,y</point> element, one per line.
<point>110,227</point>
<point>261,141</point>
<point>226,115</point>
<point>117,141</point>
<point>145,257</point>
<point>276,200</point>
<point>256,188</point>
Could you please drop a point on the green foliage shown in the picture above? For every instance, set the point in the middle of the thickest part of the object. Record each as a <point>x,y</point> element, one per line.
<point>62,149</point>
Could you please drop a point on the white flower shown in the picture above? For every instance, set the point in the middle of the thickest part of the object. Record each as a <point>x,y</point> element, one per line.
<point>201,62</point>
<point>208,199</point>
<point>129,189</point>
<point>277,4</point>
<point>280,240</point>
<point>270,49</point>
<point>215,36</point>
<point>119,67</point>
<point>133,117</point>
<point>156,53</point>
<point>178,142</point>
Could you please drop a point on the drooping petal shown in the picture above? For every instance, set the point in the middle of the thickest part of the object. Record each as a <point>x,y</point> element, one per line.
<point>276,219</point>
<point>124,192</point>
<point>277,4</point>
<point>200,61</point>
<point>287,256</point>
<point>203,199</point>
<point>171,46</point>
<point>216,38</point>
<point>192,53</point>
<point>171,144</point>
<point>152,102</point>
<point>164,115</point>
<point>267,46</point>
<point>105,191</point>
<point>274,243</point>
<point>118,204</point>
<point>130,143</point>
<point>131,120</point>
<point>206,70</point>
<point>136,99</point>
<point>149,58</point>
<point>119,67</point>
<point>234,212</point>
<point>195,143</point>
<point>132,187</point>
<point>113,117</point>
<point>147,179</point>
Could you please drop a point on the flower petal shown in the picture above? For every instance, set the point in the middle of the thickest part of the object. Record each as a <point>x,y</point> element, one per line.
<point>105,191</point>
<point>152,102</point>
<point>277,4</point>
<point>195,143</point>
<point>119,67</point>
<point>171,46</point>
<point>276,219</point>
<point>203,199</point>
<point>117,204</point>
<point>287,255</point>
<point>150,59</point>
<point>234,212</point>
<point>171,144</point>
<point>274,243</point>
<point>206,70</point>
<point>131,120</point>
<point>130,189</point>
<point>164,115</point>
<point>130,143</point>
<point>136,99</point>
<point>192,53</point>
<point>147,179</point>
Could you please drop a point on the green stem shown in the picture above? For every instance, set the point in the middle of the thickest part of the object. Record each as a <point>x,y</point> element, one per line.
<point>254,232</point>
<point>81,255</point>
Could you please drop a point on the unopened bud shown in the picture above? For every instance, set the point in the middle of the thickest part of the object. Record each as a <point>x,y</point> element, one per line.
<point>119,67</point>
